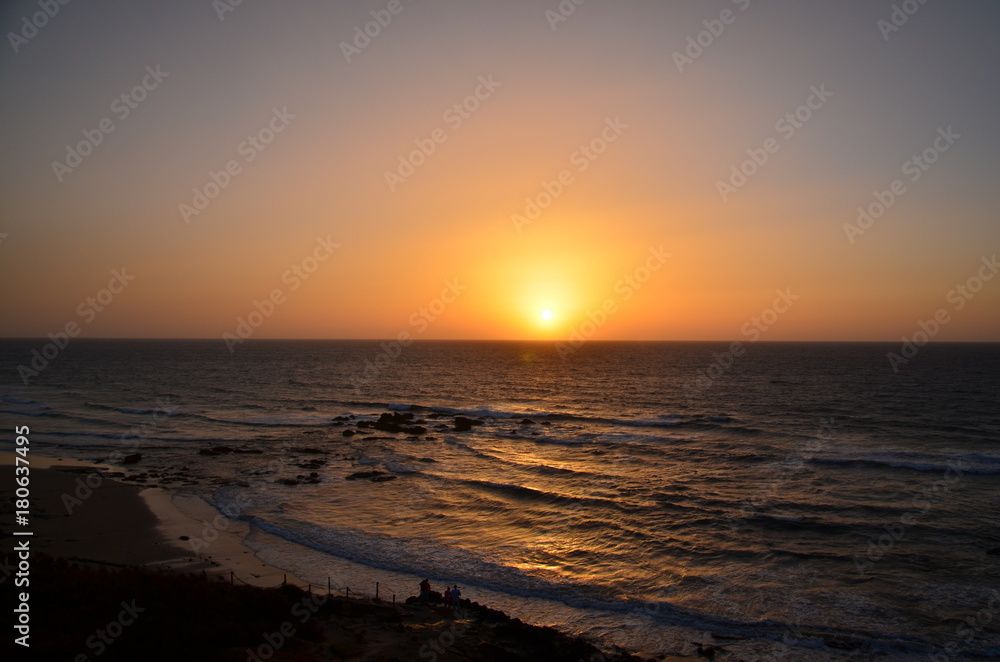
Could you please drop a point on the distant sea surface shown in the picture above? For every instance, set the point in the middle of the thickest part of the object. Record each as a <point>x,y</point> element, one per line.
<point>801,493</point>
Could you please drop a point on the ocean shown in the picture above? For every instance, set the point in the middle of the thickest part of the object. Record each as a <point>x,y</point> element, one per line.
<point>812,496</point>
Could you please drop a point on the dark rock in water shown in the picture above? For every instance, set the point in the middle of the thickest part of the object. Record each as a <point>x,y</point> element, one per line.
<point>546,423</point>
<point>310,451</point>
<point>707,651</point>
<point>382,479</point>
<point>349,433</point>
<point>527,421</point>
<point>222,449</point>
<point>364,474</point>
<point>288,481</point>
<point>364,424</point>
<point>341,418</point>
<point>463,424</point>
<point>208,451</point>
<point>132,459</point>
<point>416,429</point>
<point>994,552</point>
<point>248,451</point>
<point>426,459</point>
<point>184,538</point>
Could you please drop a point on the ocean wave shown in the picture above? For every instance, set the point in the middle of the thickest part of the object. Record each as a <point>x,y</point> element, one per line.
<point>523,493</point>
<point>973,463</point>
<point>424,558</point>
<point>35,414</point>
<point>19,401</point>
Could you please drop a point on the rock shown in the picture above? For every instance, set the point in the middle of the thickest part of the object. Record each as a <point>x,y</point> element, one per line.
<point>288,481</point>
<point>248,451</point>
<point>341,418</point>
<point>310,451</point>
<point>184,538</point>
<point>208,451</point>
<point>132,459</point>
<point>349,433</point>
<point>382,479</point>
<point>463,424</point>
<point>527,421</point>
<point>364,474</point>
<point>222,449</point>
<point>994,552</point>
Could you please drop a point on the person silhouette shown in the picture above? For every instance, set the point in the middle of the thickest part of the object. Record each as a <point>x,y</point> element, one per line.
<point>456,595</point>
<point>425,590</point>
<point>447,595</point>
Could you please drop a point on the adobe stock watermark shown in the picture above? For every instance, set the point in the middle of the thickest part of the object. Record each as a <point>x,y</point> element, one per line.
<point>752,330</point>
<point>223,7</point>
<point>85,486</point>
<point>581,159</point>
<point>625,288</point>
<point>302,610</point>
<point>914,168</point>
<point>31,25</point>
<point>442,643</point>
<point>714,27</point>
<point>363,35</point>
<point>967,631</point>
<point>786,127</point>
<point>249,148</point>
<point>105,637</point>
<point>293,277</point>
<point>420,320</point>
<point>923,501</point>
<point>88,310</point>
<point>793,463</point>
<point>455,116</point>
<point>211,529</point>
<point>122,106</point>
<point>958,297</point>
<point>562,13</point>
<point>899,16</point>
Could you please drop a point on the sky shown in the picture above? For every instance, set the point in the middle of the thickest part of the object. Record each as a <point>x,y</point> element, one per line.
<point>629,170</point>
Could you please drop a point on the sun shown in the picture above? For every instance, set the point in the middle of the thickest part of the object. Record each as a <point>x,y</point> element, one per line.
<point>546,314</point>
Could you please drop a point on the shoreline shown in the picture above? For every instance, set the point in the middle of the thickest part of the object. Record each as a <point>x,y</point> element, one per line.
<point>81,514</point>
<point>113,524</point>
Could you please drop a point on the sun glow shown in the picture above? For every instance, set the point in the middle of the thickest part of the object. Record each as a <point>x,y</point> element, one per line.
<point>546,314</point>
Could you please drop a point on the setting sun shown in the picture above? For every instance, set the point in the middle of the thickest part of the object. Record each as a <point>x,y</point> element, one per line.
<point>547,314</point>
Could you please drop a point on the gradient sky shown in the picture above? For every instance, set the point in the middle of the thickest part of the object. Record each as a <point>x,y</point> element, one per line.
<point>655,185</point>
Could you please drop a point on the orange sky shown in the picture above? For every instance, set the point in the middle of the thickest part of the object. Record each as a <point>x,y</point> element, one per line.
<point>531,99</point>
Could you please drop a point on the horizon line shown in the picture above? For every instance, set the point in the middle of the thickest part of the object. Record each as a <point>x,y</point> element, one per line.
<point>502,340</point>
